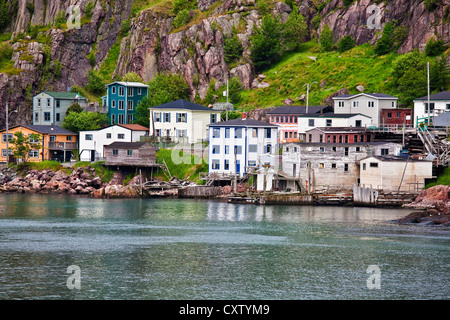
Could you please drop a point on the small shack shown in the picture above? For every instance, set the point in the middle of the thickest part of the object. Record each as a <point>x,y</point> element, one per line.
<point>131,154</point>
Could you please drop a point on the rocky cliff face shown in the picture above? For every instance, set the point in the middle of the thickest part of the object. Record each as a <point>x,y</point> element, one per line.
<point>196,51</point>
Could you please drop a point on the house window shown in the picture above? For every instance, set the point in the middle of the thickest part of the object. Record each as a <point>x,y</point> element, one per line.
<point>268,133</point>
<point>113,119</point>
<point>393,104</point>
<point>333,166</point>
<point>39,102</point>
<point>130,92</point>
<point>237,149</point>
<point>355,104</point>
<point>226,164</point>
<point>355,138</point>
<point>328,138</point>
<point>227,132</point>
<point>215,164</point>
<point>370,104</point>
<point>346,151</point>
<point>286,134</point>
<point>121,105</point>
<point>340,104</point>
<point>108,136</point>
<point>48,103</point>
<point>345,167</point>
<point>321,149</point>
<point>334,139</point>
<point>334,149</point>
<point>121,91</point>
<point>88,137</point>
<point>130,119</point>
<point>358,123</point>
<point>320,138</point>
<point>120,120</point>
<point>139,91</point>
<point>182,117</point>
<point>181,133</point>
<point>253,148</point>
<point>58,103</point>
<point>431,107</point>
<point>58,117</point>
<point>447,106</point>
<point>389,114</point>
<point>252,163</point>
<point>113,90</point>
<point>4,152</point>
<point>309,137</point>
<point>213,118</point>
<point>357,149</point>
<point>216,133</point>
<point>113,104</point>
<point>215,149</point>
<point>68,138</point>
<point>374,165</point>
<point>346,138</point>
<point>166,116</point>
<point>238,133</point>
<point>129,153</point>
<point>46,116</point>
<point>364,166</point>
<point>115,152</point>
<point>157,116</point>
<point>321,165</point>
<point>52,138</point>
<point>255,133</point>
<point>33,154</point>
<point>311,122</point>
<point>121,136</point>
<point>10,135</point>
<point>36,117</point>
<point>329,122</point>
<point>227,149</point>
<point>384,152</point>
<point>130,105</point>
<point>340,139</point>
<point>268,148</point>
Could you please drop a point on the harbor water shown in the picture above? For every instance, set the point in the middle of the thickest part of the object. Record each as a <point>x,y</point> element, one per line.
<point>55,247</point>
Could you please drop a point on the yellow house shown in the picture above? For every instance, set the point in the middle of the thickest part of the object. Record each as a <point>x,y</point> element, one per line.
<point>58,143</point>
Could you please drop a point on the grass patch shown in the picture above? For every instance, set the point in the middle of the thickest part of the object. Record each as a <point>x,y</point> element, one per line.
<point>43,165</point>
<point>442,179</point>
<point>189,169</point>
<point>335,70</point>
<point>101,170</point>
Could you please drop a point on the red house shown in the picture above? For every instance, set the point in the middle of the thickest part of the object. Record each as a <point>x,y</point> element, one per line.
<point>396,117</point>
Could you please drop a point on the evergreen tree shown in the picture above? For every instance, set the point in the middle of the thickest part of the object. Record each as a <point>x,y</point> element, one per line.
<point>294,30</point>
<point>326,39</point>
<point>265,43</point>
<point>346,43</point>
<point>4,14</point>
<point>386,41</point>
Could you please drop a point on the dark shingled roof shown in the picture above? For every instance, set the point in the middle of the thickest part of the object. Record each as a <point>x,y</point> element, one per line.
<point>332,115</point>
<point>49,129</point>
<point>126,145</point>
<point>444,95</point>
<point>340,129</point>
<point>242,123</point>
<point>297,110</point>
<point>182,104</point>
<point>375,95</point>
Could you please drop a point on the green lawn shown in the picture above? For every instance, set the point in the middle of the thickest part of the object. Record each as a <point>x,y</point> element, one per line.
<point>287,79</point>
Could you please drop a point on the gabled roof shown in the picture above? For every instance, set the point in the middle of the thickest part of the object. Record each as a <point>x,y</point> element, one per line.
<point>372,95</point>
<point>444,95</point>
<point>396,158</point>
<point>64,95</point>
<point>332,115</point>
<point>298,110</point>
<point>129,84</point>
<point>340,129</point>
<point>126,145</point>
<point>134,127</point>
<point>183,104</point>
<point>45,129</point>
<point>242,123</point>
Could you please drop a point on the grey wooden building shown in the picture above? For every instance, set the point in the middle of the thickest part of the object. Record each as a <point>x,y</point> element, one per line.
<point>131,154</point>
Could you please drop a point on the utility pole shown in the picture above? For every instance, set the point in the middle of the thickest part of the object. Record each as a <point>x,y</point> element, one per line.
<point>7,133</point>
<point>307,94</point>
<point>428,88</point>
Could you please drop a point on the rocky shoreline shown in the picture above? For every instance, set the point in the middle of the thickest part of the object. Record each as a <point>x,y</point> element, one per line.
<point>81,181</point>
<point>433,205</point>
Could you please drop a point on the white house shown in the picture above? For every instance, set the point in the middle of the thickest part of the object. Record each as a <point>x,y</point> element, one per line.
<point>369,104</point>
<point>92,143</point>
<point>330,119</point>
<point>182,121</point>
<point>439,103</point>
<point>49,108</point>
<point>394,173</point>
<point>240,145</point>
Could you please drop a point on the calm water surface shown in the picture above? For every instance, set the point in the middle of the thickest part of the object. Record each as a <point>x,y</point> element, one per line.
<point>191,249</point>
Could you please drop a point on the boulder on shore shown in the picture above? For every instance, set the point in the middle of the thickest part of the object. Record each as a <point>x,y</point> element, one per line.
<point>434,204</point>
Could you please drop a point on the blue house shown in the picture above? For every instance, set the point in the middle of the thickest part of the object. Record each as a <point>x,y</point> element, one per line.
<point>121,100</point>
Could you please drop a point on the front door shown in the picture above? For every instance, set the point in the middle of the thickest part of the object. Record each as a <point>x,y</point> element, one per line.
<point>92,155</point>
<point>294,170</point>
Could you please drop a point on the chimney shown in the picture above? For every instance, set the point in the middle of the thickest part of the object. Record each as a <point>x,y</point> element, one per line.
<point>244,115</point>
